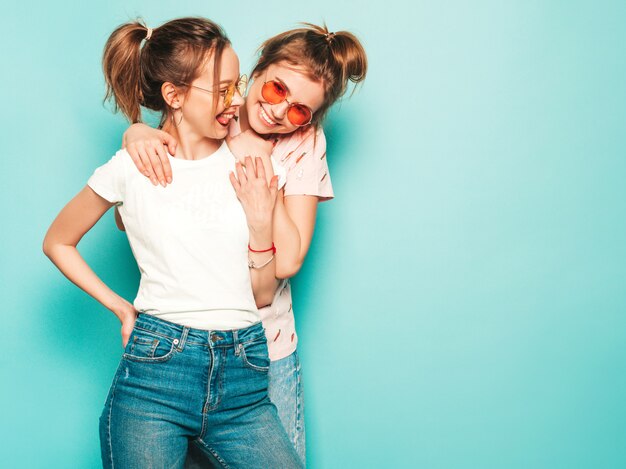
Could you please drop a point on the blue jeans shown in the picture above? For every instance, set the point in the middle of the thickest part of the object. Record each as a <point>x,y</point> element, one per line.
<point>286,392</point>
<point>176,385</point>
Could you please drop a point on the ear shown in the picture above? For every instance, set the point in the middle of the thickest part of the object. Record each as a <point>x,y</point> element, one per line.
<point>172,95</point>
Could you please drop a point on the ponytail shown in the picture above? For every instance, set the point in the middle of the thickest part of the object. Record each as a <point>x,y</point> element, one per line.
<point>122,69</point>
<point>350,55</point>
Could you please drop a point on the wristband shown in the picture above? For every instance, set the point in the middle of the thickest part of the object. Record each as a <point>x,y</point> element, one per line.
<point>273,249</point>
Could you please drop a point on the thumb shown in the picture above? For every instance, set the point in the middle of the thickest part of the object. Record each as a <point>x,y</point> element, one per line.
<point>170,142</point>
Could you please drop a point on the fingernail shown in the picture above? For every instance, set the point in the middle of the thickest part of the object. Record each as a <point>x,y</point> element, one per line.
<point>169,180</point>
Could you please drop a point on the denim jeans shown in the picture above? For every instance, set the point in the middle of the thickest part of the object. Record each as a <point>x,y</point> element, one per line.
<point>176,385</point>
<point>286,392</point>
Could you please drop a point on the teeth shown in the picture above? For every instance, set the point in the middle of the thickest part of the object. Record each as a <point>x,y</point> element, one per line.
<point>266,118</point>
<point>225,118</point>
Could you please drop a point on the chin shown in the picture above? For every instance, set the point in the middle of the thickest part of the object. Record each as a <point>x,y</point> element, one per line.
<point>220,132</point>
<point>258,127</point>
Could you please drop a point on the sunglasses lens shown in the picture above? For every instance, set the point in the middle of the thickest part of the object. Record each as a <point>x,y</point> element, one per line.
<point>273,92</point>
<point>228,97</point>
<point>299,114</point>
<point>242,85</point>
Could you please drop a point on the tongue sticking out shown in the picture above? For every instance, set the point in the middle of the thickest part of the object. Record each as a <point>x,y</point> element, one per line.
<point>224,118</point>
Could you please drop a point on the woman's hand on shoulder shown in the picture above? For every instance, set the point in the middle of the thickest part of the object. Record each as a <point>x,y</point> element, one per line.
<point>249,143</point>
<point>148,149</point>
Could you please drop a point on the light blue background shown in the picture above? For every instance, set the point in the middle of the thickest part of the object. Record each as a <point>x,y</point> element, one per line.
<point>463,304</point>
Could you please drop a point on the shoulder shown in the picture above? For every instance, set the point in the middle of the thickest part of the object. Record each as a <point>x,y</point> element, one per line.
<point>310,136</point>
<point>122,156</point>
<point>301,142</point>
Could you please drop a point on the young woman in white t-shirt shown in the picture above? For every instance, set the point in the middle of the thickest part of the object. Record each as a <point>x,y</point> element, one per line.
<point>195,363</point>
<point>300,74</point>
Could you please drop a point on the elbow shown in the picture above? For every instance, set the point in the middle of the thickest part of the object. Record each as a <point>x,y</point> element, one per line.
<point>264,299</point>
<point>52,248</point>
<point>287,269</point>
<point>47,247</point>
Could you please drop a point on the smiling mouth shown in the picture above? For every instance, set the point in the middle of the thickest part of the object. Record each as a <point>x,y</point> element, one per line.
<point>265,117</point>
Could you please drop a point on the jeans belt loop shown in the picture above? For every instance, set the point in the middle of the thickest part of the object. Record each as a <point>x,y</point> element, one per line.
<point>236,342</point>
<point>183,338</point>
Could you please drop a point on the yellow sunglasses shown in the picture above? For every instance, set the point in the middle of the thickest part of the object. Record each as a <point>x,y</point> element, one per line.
<point>240,85</point>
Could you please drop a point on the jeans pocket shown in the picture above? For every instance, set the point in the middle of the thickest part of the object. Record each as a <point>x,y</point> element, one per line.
<point>254,355</point>
<point>146,346</point>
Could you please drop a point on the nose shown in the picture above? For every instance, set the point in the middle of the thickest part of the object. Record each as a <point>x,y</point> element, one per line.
<point>237,99</point>
<point>279,110</point>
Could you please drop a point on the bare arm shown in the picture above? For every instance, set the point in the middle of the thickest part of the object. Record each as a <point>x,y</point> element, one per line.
<point>118,220</point>
<point>76,219</point>
<point>258,199</point>
<point>294,223</point>
<point>294,216</point>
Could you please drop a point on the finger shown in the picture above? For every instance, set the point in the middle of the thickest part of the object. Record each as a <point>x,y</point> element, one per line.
<point>273,187</point>
<point>234,182</point>
<point>156,164</point>
<point>125,336</point>
<point>134,155</point>
<point>250,169</point>
<point>260,169</point>
<point>145,158</point>
<point>170,142</point>
<point>165,163</point>
<point>241,174</point>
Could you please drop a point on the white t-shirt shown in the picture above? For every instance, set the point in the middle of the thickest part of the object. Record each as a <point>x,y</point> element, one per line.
<point>190,240</point>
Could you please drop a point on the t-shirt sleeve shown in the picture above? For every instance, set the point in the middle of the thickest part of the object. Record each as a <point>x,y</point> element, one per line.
<point>279,171</point>
<point>108,181</point>
<point>308,174</point>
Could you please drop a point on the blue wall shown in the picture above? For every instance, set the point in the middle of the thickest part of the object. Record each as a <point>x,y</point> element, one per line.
<point>463,304</point>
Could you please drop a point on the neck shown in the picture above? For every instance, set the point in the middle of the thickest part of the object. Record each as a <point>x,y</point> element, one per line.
<point>191,146</point>
<point>244,123</point>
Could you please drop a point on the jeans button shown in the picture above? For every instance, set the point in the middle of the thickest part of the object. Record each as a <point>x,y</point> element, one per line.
<point>175,341</point>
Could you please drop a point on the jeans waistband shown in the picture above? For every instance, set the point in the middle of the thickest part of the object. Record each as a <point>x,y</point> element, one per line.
<point>213,338</point>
